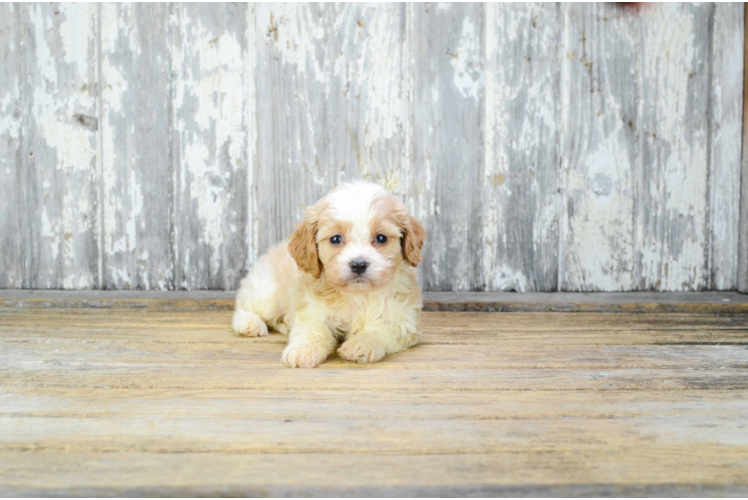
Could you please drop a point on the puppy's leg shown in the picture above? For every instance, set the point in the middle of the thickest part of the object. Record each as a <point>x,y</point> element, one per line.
<point>262,299</point>
<point>309,344</point>
<point>377,340</point>
<point>248,324</point>
<point>255,308</point>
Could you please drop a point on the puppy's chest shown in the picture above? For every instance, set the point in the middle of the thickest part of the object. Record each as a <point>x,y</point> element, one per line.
<point>348,320</point>
<point>341,326</point>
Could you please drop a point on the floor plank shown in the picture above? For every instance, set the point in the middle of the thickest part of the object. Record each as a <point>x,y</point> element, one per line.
<point>167,401</point>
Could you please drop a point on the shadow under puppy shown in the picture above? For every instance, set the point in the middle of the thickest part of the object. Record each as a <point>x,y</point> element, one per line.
<point>345,276</point>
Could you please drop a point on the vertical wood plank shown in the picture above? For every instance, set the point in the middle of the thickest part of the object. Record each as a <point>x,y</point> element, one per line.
<point>210,141</point>
<point>726,87</point>
<point>136,163</point>
<point>600,67</point>
<point>290,103</point>
<point>59,144</point>
<point>366,95</point>
<point>12,178</point>
<point>673,186</point>
<point>330,105</point>
<point>448,141</point>
<point>743,244</point>
<point>252,216</point>
<point>521,178</point>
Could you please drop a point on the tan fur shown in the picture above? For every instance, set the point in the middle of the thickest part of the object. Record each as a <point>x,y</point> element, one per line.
<point>302,244</point>
<point>305,287</point>
<point>413,234</point>
<point>413,237</point>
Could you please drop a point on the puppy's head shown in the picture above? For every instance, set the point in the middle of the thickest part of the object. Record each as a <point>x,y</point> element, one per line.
<point>357,236</point>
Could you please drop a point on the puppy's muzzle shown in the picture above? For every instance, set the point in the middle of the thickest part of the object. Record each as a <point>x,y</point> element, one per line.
<point>359,266</point>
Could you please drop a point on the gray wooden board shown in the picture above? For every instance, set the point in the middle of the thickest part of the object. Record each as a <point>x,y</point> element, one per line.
<point>137,177</point>
<point>59,145</point>
<point>208,53</point>
<point>578,147</point>
<point>330,105</point>
<point>449,57</point>
<point>12,177</point>
<point>600,91</point>
<point>522,202</point>
<point>743,246</point>
<point>674,177</point>
<point>726,96</point>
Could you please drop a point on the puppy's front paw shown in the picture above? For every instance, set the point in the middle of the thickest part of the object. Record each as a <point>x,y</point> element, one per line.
<point>303,356</point>
<point>361,349</point>
<point>248,324</point>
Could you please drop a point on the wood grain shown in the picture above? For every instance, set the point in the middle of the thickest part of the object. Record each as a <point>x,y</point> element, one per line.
<point>290,102</point>
<point>520,180</point>
<point>674,179</point>
<point>624,473</point>
<point>59,152</point>
<point>208,53</point>
<point>743,245</point>
<point>449,99</point>
<point>144,402</point>
<point>331,105</point>
<point>600,91</point>
<point>726,91</point>
<point>13,185</point>
<point>545,147</point>
<point>137,177</point>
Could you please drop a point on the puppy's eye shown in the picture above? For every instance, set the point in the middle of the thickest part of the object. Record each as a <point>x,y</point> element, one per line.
<point>381,239</point>
<point>336,240</point>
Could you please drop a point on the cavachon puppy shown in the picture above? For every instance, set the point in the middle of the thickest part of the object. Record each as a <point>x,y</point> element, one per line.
<point>346,276</point>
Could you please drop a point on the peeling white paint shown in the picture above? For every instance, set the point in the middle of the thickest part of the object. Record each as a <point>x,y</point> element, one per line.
<point>601,251</point>
<point>467,62</point>
<point>521,125</point>
<point>348,79</point>
<point>492,165</point>
<point>505,278</point>
<point>76,20</point>
<point>63,148</point>
<point>41,24</point>
<point>680,169</point>
<point>726,140</point>
<point>294,30</point>
<point>10,125</point>
<point>210,120</point>
<point>114,87</point>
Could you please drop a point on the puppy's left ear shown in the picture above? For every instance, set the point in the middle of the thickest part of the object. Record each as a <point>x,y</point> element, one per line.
<point>413,237</point>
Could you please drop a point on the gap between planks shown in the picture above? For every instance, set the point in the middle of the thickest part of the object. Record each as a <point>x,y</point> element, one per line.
<point>630,302</point>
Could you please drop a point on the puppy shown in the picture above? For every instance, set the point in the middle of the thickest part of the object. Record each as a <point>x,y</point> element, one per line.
<point>345,276</point>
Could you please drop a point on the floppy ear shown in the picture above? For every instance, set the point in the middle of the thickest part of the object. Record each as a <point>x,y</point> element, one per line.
<point>412,240</point>
<point>302,244</point>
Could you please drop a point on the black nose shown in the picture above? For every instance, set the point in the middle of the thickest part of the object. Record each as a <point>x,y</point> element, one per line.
<point>359,266</point>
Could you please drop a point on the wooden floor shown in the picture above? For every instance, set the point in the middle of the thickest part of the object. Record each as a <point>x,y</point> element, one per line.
<point>162,399</point>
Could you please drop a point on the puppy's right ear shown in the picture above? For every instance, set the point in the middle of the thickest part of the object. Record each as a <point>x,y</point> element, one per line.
<point>302,244</point>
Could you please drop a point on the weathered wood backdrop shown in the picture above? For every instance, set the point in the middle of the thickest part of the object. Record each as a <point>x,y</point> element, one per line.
<point>545,147</point>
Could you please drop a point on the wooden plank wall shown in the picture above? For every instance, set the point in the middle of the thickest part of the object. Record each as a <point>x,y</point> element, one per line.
<point>743,245</point>
<point>545,147</point>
